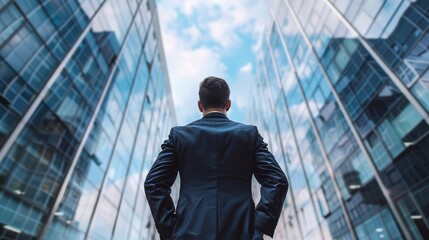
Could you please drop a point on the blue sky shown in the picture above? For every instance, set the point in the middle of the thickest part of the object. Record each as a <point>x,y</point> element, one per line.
<point>219,38</point>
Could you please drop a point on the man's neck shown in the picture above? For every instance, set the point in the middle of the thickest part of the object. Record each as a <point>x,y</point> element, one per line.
<point>214,110</point>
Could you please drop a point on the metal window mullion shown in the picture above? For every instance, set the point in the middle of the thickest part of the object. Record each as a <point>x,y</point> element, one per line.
<point>141,58</point>
<point>33,56</point>
<point>162,52</point>
<point>87,132</point>
<point>359,140</point>
<point>105,177</point>
<point>319,139</point>
<point>278,77</point>
<point>57,29</point>
<point>392,75</point>
<point>44,44</point>
<point>262,116</point>
<point>295,140</point>
<point>283,153</point>
<point>286,167</point>
<point>262,104</point>
<point>143,165</point>
<point>25,20</point>
<point>144,162</point>
<point>144,152</point>
<point>44,91</point>
<point>149,128</point>
<point>417,205</point>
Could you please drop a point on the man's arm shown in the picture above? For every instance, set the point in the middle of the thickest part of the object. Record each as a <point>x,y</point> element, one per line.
<point>274,186</point>
<point>158,188</point>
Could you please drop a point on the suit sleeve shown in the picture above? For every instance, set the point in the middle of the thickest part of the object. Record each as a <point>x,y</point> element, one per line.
<point>158,188</point>
<point>274,186</point>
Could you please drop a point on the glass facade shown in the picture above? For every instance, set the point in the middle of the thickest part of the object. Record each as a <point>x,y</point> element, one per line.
<point>85,102</point>
<point>342,94</point>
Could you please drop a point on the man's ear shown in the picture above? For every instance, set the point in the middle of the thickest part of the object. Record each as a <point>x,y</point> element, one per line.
<point>200,106</point>
<point>228,105</point>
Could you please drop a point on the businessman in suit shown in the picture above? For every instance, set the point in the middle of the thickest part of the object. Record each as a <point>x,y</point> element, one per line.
<point>216,159</point>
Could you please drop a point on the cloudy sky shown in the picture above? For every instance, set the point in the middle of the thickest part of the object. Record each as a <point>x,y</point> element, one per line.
<point>216,37</point>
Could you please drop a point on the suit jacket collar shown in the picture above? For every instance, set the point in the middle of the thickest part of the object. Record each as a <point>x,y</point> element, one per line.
<point>215,115</point>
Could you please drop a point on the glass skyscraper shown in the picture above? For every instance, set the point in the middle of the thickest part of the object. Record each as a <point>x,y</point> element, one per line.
<point>85,102</point>
<point>342,95</point>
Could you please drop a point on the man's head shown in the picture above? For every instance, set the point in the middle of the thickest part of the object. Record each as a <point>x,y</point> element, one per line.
<point>214,95</point>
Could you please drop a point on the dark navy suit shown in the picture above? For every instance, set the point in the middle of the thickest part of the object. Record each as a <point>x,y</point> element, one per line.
<point>216,159</point>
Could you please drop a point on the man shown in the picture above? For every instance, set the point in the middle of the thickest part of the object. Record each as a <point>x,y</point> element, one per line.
<point>216,159</point>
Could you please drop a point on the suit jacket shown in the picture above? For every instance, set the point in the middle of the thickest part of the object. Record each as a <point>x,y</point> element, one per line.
<point>216,159</point>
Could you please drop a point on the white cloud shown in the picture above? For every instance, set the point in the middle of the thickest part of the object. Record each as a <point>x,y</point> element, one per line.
<point>246,68</point>
<point>223,32</point>
<point>194,34</point>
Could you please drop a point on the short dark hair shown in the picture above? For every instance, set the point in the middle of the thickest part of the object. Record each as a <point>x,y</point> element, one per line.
<point>214,92</point>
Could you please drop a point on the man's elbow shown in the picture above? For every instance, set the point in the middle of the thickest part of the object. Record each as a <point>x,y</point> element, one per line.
<point>148,186</point>
<point>284,182</point>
